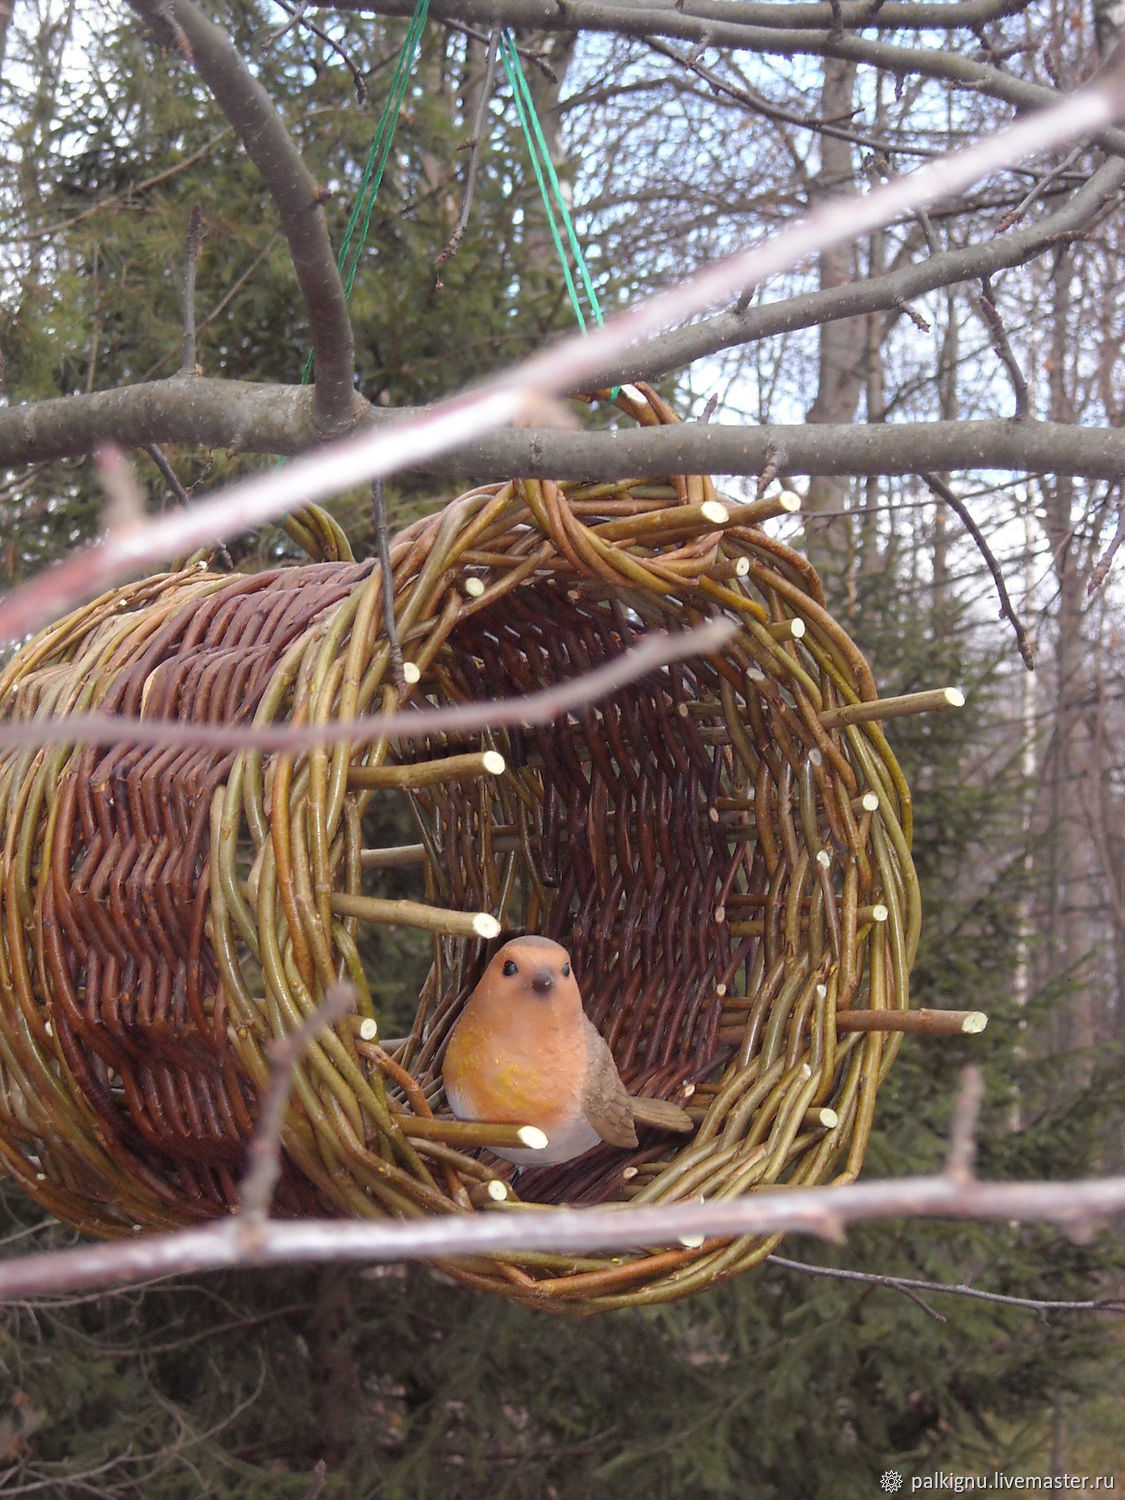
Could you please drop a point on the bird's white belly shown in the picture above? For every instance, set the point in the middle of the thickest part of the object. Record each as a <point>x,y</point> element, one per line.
<point>564,1143</point>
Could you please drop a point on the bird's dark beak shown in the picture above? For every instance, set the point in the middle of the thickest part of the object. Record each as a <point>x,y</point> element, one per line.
<point>543,982</point>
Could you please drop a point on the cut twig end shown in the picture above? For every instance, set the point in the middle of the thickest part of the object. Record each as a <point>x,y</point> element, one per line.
<point>533,1138</point>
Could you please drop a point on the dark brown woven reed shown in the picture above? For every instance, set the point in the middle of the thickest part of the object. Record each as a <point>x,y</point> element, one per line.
<point>697,841</point>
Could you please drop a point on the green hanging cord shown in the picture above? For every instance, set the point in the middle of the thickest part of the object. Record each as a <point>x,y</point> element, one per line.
<point>540,152</point>
<point>384,135</point>
<point>545,173</point>
<point>377,159</point>
<point>507,52</point>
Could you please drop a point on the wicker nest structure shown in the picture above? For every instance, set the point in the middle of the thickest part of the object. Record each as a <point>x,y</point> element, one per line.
<point>722,845</point>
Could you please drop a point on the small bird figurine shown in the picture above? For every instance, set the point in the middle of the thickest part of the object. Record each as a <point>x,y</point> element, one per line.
<point>524,1052</point>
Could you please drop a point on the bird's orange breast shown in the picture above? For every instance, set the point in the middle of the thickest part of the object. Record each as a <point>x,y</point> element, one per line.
<point>510,1071</point>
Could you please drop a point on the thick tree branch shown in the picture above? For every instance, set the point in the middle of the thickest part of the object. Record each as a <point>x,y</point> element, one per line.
<point>550,15</point>
<point>249,109</point>
<point>280,419</point>
<point>267,419</point>
<point>773,31</point>
<point>211,413</point>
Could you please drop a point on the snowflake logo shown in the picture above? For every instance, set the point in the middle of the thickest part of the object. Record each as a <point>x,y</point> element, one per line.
<point>891,1481</point>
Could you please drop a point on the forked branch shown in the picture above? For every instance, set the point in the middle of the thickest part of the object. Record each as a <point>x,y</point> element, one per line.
<point>249,109</point>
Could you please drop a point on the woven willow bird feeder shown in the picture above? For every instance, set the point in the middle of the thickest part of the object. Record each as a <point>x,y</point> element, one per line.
<point>722,845</point>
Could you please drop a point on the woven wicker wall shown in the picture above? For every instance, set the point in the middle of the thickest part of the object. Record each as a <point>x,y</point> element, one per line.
<point>699,841</point>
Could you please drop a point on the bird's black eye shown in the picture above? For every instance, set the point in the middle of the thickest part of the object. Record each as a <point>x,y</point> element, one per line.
<point>510,968</point>
<point>566,971</point>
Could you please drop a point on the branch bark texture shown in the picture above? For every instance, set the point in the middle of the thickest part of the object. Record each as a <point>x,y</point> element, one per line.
<point>238,416</point>
<point>823,1211</point>
<point>249,109</point>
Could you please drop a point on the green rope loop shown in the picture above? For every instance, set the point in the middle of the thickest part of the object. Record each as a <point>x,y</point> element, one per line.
<point>549,185</point>
<point>376,163</point>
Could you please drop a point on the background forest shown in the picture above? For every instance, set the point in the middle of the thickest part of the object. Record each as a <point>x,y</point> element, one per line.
<point>679,135</point>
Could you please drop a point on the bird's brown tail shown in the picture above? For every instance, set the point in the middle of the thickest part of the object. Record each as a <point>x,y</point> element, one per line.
<point>662,1114</point>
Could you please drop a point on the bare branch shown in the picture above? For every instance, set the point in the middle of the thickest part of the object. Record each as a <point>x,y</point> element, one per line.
<point>249,109</point>
<point>299,18</point>
<point>657,649</point>
<point>191,265</point>
<point>242,417</point>
<point>476,145</point>
<point>220,414</point>
<point>769,29</point>
<point>549,15</point>
<point>729,330</point>
<point>911,1283</point>
<point>383,541</point>
<point>135,189</point>
<point>1038,188</point>
<point>1076,1207</point>
<point>285,1053</point>
<point>938,487</point>
<point>1105,562</point>
<point>759,104</point>
<point>171,478</point>
<point>985,305</point>
<point>239,416</point>
<point>521,390</point>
